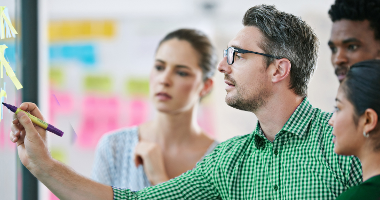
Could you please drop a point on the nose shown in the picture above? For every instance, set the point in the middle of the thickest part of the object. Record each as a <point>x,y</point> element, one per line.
<point>331,121</point>
<point>224,67</point>
<point>165,78</point>
<point>339,58</point>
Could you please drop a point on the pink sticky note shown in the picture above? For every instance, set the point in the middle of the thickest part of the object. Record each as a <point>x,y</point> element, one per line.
<point>100,115</point>
<point>206,121</point>
<point>138,111</point>
<point>52,196</point>
<point>59,103</point>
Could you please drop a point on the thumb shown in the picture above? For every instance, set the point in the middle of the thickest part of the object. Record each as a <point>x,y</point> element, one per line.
<point>30,130</point>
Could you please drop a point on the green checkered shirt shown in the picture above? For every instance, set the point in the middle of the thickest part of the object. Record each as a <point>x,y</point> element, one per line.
<point>299,164</point>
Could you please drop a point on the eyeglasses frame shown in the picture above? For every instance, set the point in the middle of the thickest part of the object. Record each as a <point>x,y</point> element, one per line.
<point>243,51</point>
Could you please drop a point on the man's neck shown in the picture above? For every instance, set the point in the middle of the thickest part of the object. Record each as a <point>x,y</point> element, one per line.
<point>276,112</point>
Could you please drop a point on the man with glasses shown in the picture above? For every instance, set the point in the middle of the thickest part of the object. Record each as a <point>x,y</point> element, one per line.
<point>355,34</point>
<point>267,67</point>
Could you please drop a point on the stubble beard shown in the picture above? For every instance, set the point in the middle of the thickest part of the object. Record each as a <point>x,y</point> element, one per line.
<point>251,104</point>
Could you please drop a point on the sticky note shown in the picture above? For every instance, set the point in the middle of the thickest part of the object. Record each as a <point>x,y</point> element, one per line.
<point>79,30</point>
<point>4,17</point>
<point>8,68</point>
<point>56,76</point>
<point>83,53</point>
<point>136,86</point>
<point>52,196</point>
<point>98,83</point>
<point>59,154</point>
<point>3,93</point>
<point>138,111</point>
<point>206,120</point>
<point>60,102</point>
<point>96,124</point>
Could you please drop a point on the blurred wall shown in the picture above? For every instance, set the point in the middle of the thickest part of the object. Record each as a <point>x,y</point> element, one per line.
<point>101,53</point>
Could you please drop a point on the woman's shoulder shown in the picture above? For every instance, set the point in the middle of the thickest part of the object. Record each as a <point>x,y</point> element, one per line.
<point>367,190</point>
<point>119,138</point>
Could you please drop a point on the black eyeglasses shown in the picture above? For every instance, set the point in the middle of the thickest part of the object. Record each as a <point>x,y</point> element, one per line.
<point>230,53</point>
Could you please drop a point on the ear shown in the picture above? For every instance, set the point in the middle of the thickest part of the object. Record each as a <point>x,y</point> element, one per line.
<point>207,86</point>
<point>370,120</point>
<point>282,70</point>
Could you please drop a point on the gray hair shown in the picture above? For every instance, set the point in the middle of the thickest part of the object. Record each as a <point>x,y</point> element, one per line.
<point>287,36</point>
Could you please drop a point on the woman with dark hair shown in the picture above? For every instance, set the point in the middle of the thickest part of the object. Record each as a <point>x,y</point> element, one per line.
<point>172,143</point>
<point>357,128</point>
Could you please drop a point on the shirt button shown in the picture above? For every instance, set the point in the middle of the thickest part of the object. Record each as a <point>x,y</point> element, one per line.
<point>275,152</point>
<point>275,188</point>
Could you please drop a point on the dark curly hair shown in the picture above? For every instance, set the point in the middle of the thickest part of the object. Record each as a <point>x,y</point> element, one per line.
<point>358,10</point>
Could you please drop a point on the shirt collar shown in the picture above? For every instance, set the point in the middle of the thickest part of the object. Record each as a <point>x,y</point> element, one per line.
<point>298,121</point>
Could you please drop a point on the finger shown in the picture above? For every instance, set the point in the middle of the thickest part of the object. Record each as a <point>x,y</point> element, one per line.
<point>32,109</point>
<point>16,128</point>
<point>15,120</point>
<point>29,128</point>
<point>20,140</point>
<point>12,137</point>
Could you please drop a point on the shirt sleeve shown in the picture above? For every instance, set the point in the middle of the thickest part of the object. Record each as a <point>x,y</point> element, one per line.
<point>101,171</point>
<point>194,184</point>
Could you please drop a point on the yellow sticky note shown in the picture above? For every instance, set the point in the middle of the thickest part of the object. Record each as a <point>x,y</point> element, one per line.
<point>8,68</point>
<point>4,16</point>
<point>3,94</point>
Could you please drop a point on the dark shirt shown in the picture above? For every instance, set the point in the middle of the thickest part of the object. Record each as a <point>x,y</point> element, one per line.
<point>368,190</point>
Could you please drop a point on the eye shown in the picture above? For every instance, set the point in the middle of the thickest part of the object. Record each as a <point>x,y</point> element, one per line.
<point>183,74</point>
<point>238,55</point>
<point>336,109</point>
<point>159,67</point>
<point>352,47</point>
<point>333,49</point>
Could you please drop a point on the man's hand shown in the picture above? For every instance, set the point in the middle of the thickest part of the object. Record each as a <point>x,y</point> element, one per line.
<point>149,155</point>
<point>30,139</point>
<point>64,182</point>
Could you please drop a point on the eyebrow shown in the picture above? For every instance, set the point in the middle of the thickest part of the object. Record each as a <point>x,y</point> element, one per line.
<point>177,66</point>
<point>182,66</point>
<point>348,40</point>
<point>236,46</point>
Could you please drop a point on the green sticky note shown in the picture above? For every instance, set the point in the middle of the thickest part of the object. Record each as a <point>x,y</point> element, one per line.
<point>56,76</point>
<point>137,86</point>
<point>98,83</point>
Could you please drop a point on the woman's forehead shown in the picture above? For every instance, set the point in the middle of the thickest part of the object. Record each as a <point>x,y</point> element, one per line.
<point>177,52</point>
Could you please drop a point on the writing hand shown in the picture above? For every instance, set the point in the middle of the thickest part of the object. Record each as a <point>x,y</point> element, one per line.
<point>149,155</point>
<point>30,138</point>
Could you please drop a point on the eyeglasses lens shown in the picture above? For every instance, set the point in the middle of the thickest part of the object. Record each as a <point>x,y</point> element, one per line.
<point>230,55</point>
